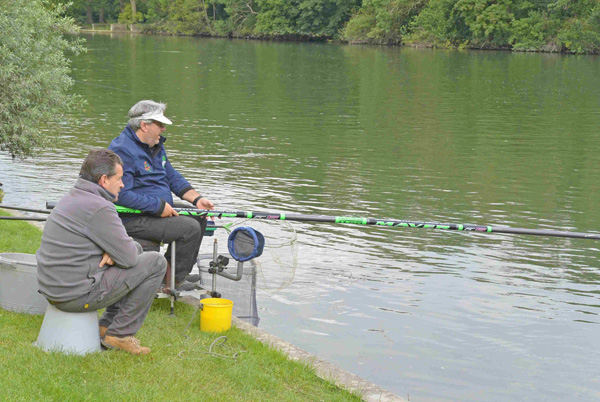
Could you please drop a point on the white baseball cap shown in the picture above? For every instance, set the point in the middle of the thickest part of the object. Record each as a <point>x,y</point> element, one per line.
<point>156,115</point>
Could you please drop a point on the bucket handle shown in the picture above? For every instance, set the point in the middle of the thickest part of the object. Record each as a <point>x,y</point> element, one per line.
<point>13,264</point>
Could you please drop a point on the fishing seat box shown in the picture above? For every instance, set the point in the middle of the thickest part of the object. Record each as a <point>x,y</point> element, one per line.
<point>18,284</point>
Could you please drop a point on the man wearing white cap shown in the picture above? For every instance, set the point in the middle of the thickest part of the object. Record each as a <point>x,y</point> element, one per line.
<point>149,181</point>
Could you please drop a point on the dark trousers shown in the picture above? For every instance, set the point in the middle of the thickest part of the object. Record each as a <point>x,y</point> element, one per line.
<point>187,231</point>
<point>127,295</point>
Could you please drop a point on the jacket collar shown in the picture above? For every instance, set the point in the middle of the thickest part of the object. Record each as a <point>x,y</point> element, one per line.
<point>93,188</point>
<point>128,131</point>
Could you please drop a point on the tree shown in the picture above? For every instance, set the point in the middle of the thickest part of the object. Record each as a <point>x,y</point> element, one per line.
<point>489,20</point>
<point>381,21</point>
<point>88,13</point>
<point>239,11</point>
<point>311,18</point>
<point>34,72</point>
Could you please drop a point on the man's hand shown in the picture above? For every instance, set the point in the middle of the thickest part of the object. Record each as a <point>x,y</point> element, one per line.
<point>169,211</point>
<point>106,260</point>
<point>203,203</point>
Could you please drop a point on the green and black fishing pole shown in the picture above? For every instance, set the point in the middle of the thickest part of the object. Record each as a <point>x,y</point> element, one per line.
<point>368,221</point>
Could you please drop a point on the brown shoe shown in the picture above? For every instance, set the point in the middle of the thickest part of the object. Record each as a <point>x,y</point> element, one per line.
<point>129,344</point>
<point>102,331</point>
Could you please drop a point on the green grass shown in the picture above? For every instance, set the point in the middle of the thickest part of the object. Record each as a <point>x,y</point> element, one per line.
<point>178,368</point>
<point>18,236</point>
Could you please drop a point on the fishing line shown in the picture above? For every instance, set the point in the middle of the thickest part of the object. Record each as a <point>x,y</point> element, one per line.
<point>223,342</point>
<point>224,339</point>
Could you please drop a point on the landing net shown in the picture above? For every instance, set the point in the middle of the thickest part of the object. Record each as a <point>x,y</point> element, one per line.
<point>273,271</point>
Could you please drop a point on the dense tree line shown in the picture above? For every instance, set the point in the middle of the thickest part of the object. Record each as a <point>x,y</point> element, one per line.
<point>529,25</point>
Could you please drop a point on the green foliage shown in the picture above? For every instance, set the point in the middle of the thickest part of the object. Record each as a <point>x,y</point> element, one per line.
<point>527,25</point>
<point>547,25</point>
<point>157,10</point>
<point>324,17</point>
<point>382,21</point>
<point>313,18</point>
<point>535,32</point>
<point>34,80</point>
<point>126,17</point>
<point>188,17</point>
<point>579,36</point>
<point>438,24</point>
<point>241,18</point>
<point>488,20</point>
<point>276,17</point>
<point>99,10</point>
<point>359,27</point>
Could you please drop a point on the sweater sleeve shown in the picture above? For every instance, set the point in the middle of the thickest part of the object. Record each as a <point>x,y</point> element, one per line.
<point>106,230</point>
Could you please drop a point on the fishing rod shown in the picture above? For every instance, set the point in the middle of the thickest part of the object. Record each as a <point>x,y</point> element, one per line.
<point>22,218</point>
<point>39,211</point>
<point>365,221</point>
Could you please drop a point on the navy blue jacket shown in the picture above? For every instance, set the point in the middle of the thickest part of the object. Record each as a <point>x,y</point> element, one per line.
<point>148,175</point>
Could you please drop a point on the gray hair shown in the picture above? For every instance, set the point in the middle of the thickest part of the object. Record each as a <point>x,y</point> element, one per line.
<point>144,106</point>
<point>98,163</point>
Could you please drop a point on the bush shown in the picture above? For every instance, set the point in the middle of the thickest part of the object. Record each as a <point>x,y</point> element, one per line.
<point>360,25</point>
<point>438,25</point>
<point>488,20</point>
<point>382,21</point>
<point>579,37</point>
<point>34,73</point>
<point>126,18</point>
<point>536,31</point>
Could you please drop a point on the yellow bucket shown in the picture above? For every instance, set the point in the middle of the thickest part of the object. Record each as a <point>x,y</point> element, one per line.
<point>215,315</point>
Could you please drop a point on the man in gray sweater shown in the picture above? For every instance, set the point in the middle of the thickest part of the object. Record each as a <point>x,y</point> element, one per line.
<point>87,261</point>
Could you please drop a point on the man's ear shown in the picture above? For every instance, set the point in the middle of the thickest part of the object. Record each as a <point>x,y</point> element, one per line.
<point>102,180</point>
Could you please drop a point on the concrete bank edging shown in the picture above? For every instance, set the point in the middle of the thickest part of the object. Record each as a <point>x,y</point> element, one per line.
<point>325,370</point>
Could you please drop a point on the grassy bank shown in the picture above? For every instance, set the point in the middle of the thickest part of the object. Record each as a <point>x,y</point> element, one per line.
<point>18,236</point>
<point>179,367</point>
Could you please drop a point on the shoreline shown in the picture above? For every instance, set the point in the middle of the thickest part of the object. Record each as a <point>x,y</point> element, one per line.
<point>295,39</point>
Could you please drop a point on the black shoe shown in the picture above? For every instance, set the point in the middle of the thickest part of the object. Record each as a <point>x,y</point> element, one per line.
<point>192,278</point>
<point>184,286</point>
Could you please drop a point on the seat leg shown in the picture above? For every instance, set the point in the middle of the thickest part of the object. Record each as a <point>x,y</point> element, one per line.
<point>173,291</point>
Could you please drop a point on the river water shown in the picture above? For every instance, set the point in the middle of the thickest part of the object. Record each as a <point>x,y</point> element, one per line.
<point>426,135</point>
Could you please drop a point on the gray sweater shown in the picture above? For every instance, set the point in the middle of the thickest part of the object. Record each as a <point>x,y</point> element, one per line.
<point>83,225</point>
